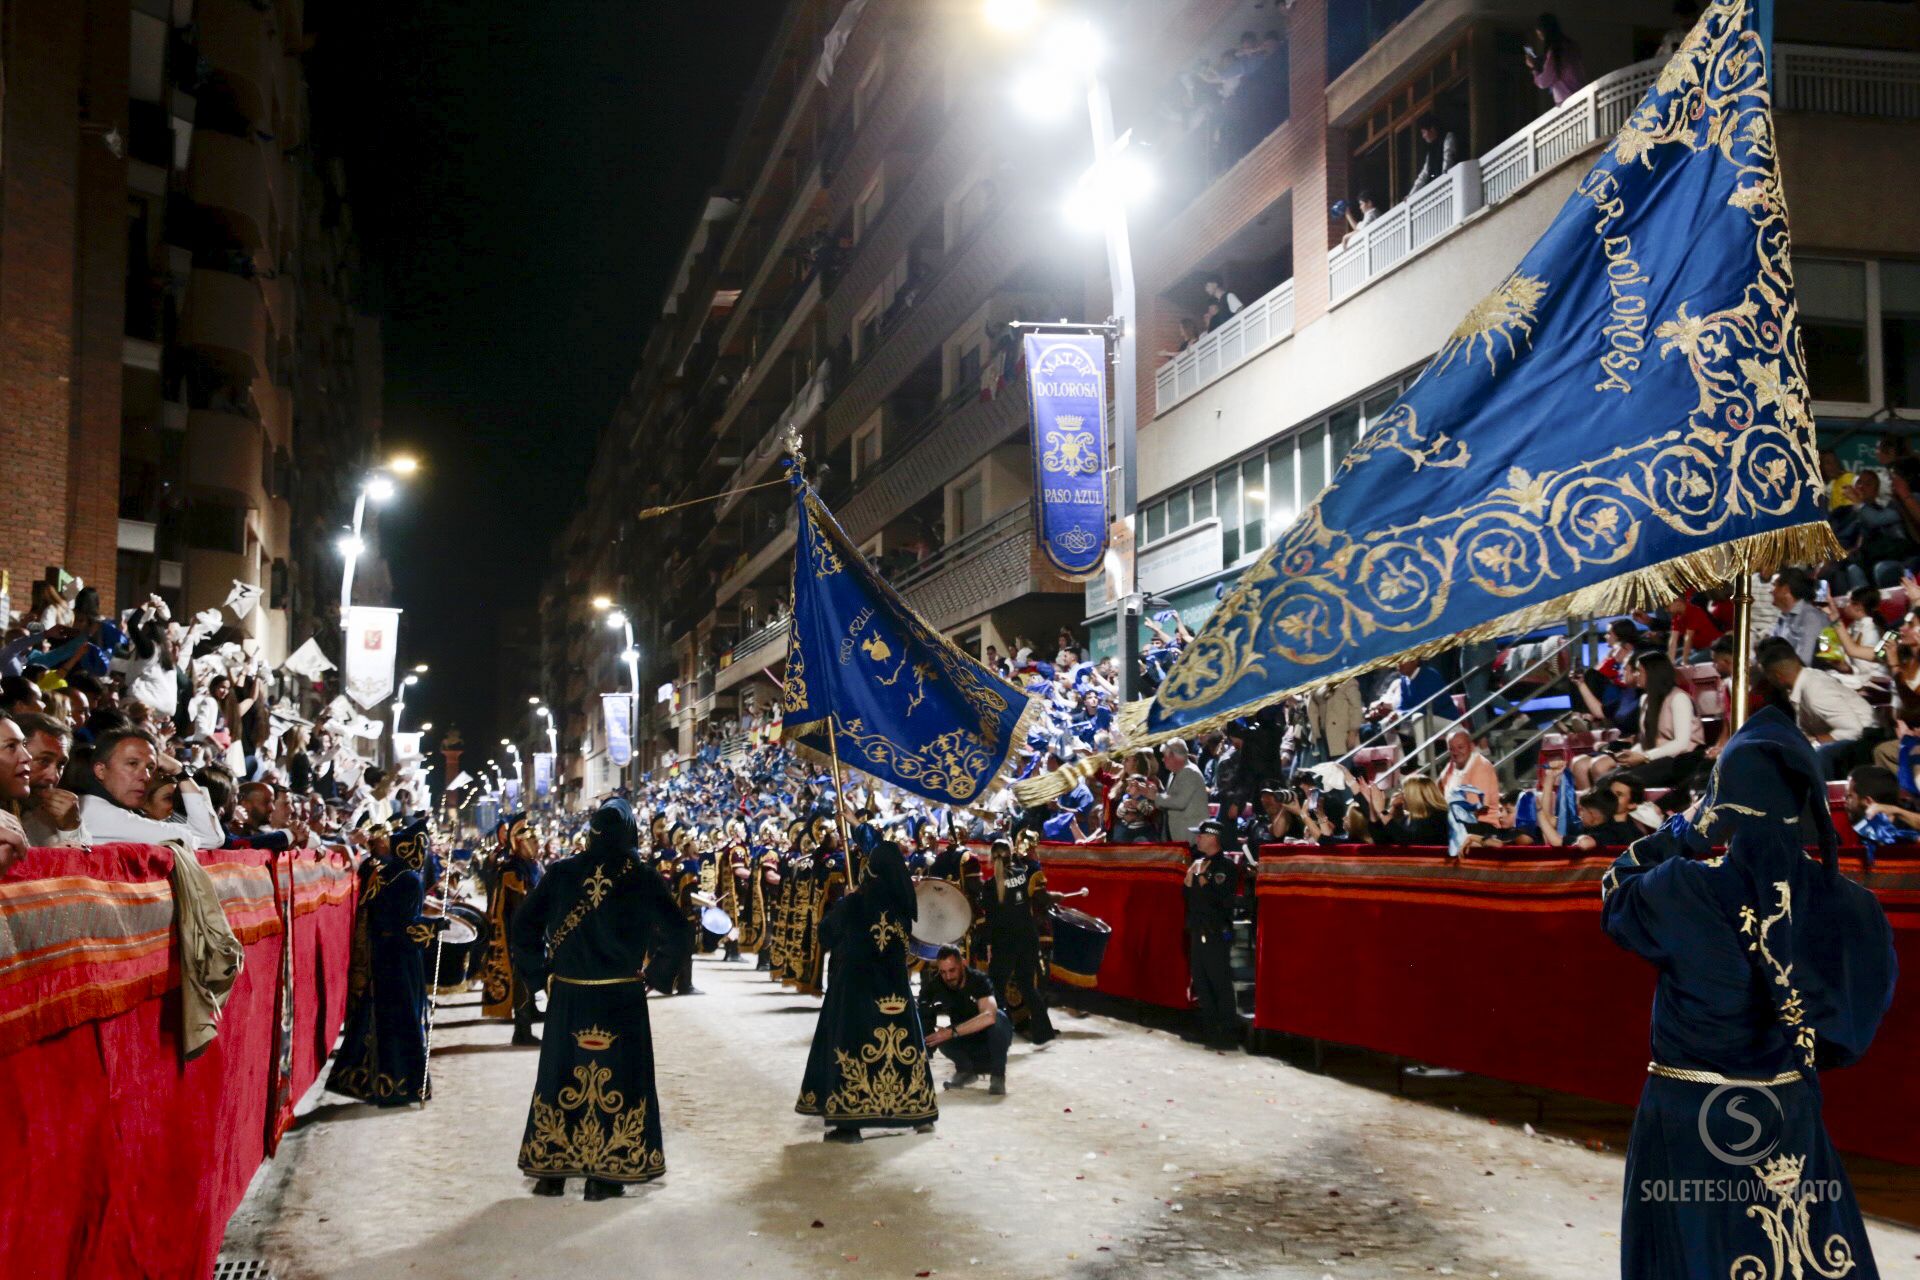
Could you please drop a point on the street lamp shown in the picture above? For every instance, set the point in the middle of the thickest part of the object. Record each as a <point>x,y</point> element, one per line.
<point>617,620</point>
<point>400,703</point>
<point>378,485</point>
<point>1072,54</point>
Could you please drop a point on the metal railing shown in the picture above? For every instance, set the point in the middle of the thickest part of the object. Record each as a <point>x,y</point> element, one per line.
<point>1574,640</point>
<point>1865,82</point>
<point>964,548</point>
<point>1249,331</point>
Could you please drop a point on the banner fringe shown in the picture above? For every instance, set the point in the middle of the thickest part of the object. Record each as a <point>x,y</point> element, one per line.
<point>1656,584</point>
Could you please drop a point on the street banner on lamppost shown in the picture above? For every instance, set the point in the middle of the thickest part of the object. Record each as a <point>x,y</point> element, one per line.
<point>1067,402</point>
<point>373,638</point>
<point>542,774</point>
<point>618,708</point>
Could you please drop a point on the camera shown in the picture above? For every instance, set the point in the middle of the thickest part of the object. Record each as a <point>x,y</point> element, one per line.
<point>1339,210</point>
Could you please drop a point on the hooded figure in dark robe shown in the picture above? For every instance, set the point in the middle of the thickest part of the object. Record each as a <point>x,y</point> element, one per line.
<point>587,931</point>
<point>1774,968</point>
<point>383,1045</point>
<point>868,1065</point>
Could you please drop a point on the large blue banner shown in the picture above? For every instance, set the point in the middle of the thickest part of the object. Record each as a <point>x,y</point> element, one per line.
<point>1067,404</point>
<point>866,677</point>
<point>1625,418</point>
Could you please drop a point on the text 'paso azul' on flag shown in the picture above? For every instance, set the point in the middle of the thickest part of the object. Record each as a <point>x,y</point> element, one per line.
<point>1067,404</point>
<point>900,701</point>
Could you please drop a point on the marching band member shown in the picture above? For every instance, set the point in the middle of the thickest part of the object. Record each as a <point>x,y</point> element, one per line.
<point>513,875</point>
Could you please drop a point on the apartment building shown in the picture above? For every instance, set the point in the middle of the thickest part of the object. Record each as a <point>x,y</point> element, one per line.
<point>882,213</point>
<point>1242,429</point>
<point>186,370</point>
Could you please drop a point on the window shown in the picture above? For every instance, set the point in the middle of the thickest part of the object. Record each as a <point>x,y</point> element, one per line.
<point>1156,522</point>
<point>1179,511</point>
<point>969,506</point>
<point>1833,326</point>
<point>1202,500</point>
<point>1345,425</point>
<point>213,526</point>
<point>1900,332</point>
<point>1253,504</point>
<point>1282,503</point>
<point>866,446</point>
<point>1226,493</point>
<point>866,328</point>
<point>871,82</point>
<point>1313,463</point>
<point>966,370</point>
<point>866,210</point>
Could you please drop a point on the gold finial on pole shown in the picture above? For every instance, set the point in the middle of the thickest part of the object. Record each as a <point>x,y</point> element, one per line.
<point>795,449</point>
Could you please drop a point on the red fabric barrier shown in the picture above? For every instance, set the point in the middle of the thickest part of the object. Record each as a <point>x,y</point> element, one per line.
<point>127,1160</point>
<point>1137,890</point>
<point>1497,964</point>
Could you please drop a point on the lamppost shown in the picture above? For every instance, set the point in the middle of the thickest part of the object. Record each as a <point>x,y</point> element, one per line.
<point>618,620</point>
<point>519,766</point>
<point>379,486</point>
<point>1117,177</point>
<point>553,751</point>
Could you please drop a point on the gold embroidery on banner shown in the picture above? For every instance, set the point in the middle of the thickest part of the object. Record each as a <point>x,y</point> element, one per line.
<point>886,931</point>
<point>1070,452</point>
<point>1793,1014</point>
<point>1510,309</point>
<point>590,1146</point>
<point>1745,450</point>
<point>826,559</point>
<point>1788,1224</point>
<point>887,1080</point>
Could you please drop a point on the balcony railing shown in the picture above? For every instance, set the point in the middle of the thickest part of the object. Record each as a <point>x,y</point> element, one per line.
<point>1864,82</point>
<point>1247,333</point>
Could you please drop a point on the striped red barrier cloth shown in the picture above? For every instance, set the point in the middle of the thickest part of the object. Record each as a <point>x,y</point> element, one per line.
<point>1496,963</point>
<point>132,1160</point>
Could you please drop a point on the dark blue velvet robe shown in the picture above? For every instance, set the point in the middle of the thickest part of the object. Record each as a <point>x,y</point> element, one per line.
<point>1773,967</point>
<point>591,925</point>
<point>383,1050</point>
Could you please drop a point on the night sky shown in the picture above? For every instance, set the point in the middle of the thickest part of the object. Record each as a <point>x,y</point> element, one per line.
<point>523,177</point>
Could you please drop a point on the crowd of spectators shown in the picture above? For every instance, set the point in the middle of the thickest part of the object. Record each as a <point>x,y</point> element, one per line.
<point>142,728</point>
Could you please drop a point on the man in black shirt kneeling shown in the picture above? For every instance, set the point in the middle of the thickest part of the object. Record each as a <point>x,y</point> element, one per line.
<point>977,1033</point>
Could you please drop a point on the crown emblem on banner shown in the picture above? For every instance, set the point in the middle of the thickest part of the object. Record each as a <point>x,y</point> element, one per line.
<point>594,1038</point>
<point>892,1006</point>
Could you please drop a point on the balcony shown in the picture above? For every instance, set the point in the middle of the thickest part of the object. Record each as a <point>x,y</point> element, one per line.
<point>952,438</point>
<point>239,55</point>
<point>799,412</point>
<point>994,565</point>
<point>753,653</point>
<point>1859,82</point>
<point>227,320</point>
<point>1251,330</point>
<point>224,452</point>
<point>230,179</point>
<point>756,564</point>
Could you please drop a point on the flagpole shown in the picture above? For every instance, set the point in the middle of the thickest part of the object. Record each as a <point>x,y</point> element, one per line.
<point>1742,642</point>
<point>839,791</point>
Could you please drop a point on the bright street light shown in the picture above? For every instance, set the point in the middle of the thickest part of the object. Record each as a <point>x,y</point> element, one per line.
<point>410,680</point>
<point>420,669</point>
<point>1042,94</point>
<point>603,602</point>
<point>616,620</point>
<point>1123,179</point>
<point>349,545</point>
<point>402,464</point>
<point>532,700</point>
<point>1010,15</point>
<point>544,713</point>
<point>426,726</point>
<point>381,488</point>
<point>505,743</point>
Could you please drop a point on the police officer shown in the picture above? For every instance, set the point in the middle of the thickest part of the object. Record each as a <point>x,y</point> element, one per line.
<point>1212,888</point>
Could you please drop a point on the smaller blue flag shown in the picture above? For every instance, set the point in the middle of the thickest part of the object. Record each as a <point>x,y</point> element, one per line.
<point>866,677</point>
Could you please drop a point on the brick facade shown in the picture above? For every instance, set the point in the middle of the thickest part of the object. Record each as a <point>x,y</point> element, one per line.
<point>62,281</point>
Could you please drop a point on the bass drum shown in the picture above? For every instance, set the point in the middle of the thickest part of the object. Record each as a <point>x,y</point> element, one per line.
<point>1079,945</point>
<point>461,961</point>
<point>942,916</point>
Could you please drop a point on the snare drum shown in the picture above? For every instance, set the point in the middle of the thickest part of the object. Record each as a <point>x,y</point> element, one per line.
<point>1079,945</point>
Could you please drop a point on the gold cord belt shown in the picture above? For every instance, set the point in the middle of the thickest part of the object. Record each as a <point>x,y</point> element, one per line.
<point>598,982</point>
<point>1714,1077</point>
